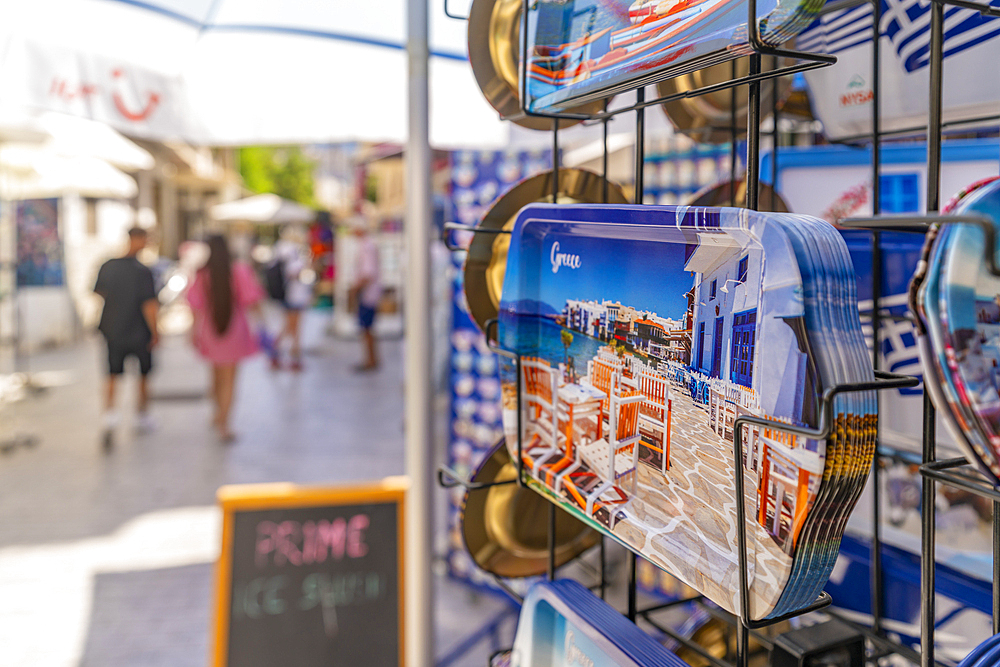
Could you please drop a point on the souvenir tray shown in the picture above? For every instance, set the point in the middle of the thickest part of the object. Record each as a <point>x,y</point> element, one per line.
<point>581,51</point>
<point>564,623</point>
<point>505,527</point>
<point>643,333</point>
<point>494,54</point>
<point>957,301</point>
<point>487,258</point>
<point>708,118</point>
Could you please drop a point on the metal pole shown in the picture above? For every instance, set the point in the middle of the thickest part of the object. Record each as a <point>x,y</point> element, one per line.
<point>604,566</point>
<point>876,557</point>
<point>775,137</point>
<point>604,184</point>
<point>742,645</point>
<point>551,569</point>
<point>419,579</point>
<point>640,146</point>
<point>632,583</point>
<point>996,567</point>
<point>555,161</point>
<point>753,136</point>
<point>934,110</point>
<point>732,137</point>
<point>928,559</point>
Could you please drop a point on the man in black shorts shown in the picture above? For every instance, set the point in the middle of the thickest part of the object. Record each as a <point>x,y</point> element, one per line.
<point>128,324</point>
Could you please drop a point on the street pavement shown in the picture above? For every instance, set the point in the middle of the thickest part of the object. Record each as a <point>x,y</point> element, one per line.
<point>106,558</point>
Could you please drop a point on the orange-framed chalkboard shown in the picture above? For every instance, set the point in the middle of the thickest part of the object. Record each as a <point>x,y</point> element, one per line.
<point>310,575</point>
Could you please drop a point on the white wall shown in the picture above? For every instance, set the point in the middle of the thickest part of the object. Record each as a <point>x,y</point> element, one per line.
<point>52,316</point>
<point>46,317</point>
<point>812,190</point>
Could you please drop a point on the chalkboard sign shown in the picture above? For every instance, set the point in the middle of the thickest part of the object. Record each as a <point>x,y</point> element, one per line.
<point>310,576</point>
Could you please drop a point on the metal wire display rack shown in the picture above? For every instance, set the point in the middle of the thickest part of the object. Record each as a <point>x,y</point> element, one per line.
<point>954,472</point>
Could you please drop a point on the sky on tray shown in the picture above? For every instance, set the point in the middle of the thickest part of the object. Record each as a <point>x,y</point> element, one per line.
<point>617,270</point>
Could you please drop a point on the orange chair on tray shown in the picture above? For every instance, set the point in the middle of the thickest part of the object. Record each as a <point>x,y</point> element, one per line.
<point>539,387</point>
<point>603,456</point>
<point>654,411</point>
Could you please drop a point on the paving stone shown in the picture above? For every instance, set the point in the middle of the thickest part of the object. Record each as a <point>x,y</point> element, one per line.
<point>105,558</point>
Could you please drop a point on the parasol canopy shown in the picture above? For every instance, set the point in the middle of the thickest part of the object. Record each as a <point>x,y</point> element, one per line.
<point>237,72</point>
<point>263,209</point>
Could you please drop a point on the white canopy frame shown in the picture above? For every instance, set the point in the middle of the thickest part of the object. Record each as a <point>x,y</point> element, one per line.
<point>240,72</point>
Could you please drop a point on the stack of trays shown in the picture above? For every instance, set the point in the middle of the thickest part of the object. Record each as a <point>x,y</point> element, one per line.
<point>581,52</point>
<point>644,332</point>
<point>986,654</point>
<point>957,301</point>
<point>563,623</point>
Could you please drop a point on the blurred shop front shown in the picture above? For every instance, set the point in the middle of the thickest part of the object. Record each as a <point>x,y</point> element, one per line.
<point>69,199</point>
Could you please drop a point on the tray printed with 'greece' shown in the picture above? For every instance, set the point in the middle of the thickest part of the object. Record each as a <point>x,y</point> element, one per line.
<point>643,334</point>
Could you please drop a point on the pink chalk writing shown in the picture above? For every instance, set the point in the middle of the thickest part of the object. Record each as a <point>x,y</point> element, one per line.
<point>308,542</point>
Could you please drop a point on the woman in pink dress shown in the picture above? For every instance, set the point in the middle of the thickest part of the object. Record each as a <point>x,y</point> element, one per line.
<point>220,296</point>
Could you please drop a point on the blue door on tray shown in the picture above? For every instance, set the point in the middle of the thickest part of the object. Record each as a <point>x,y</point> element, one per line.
<point>741,360</point>
<point>701,345</point>
<point>717,348</point>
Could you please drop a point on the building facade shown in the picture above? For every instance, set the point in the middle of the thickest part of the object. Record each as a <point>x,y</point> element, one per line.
<point>725,325</point>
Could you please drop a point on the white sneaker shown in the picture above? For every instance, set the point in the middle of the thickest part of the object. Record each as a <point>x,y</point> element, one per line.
<point>109,420</point>
<point>145,423</point>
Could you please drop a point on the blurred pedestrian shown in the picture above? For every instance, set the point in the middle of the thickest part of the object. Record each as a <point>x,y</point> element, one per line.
<point>128,323</point>
<point>367,286</point>
<point>222,293</point>
<point>292,256</point>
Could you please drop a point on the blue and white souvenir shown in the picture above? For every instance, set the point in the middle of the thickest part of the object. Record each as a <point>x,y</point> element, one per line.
<point>643,334</point>
<point>957,302</point>
<point>582,50</point>
<point>562,623</point>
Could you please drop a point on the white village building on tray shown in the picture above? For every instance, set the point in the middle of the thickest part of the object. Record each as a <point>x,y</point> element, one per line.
<point>662,338</point>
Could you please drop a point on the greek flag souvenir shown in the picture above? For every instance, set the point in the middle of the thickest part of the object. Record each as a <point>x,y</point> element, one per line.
<point>842,95</point>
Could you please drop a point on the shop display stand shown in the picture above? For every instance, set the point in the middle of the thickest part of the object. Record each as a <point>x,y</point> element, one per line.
<point>954,472</point>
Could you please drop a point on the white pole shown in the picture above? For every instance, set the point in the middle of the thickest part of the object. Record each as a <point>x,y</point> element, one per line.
<point>419,584</point>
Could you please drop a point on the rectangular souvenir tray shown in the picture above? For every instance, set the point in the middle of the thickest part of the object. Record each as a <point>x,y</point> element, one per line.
<point>583,50</point>
<point>564,623</point>
<point>642,333</point>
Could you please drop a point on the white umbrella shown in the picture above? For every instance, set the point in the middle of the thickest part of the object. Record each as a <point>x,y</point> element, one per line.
<point>32,171</point>
<point>263,209</point>
<point>237,72</point>
<point>79,137</point>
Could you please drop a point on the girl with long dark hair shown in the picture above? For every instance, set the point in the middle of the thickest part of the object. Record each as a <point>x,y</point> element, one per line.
<point>220,296</point>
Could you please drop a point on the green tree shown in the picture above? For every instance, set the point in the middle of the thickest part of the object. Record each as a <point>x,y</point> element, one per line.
<point>566,338</point>
<point>283,170</point>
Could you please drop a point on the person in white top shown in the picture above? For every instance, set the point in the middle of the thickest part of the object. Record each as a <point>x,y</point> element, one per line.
<point>298,293</point>
<point>367,285</point>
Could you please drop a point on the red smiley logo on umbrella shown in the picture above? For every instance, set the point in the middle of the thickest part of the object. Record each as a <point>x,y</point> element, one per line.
<point>152,100</point>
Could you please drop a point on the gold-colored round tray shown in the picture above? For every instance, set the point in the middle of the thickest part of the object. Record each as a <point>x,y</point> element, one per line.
<point>486,262</point>
<point>707,118</point>
<point>720,195</point>
<point>716,639</point>
<point>506,527</point>
<point>494,53</point>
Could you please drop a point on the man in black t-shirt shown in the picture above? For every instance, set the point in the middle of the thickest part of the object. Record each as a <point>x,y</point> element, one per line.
<point>128,324</point>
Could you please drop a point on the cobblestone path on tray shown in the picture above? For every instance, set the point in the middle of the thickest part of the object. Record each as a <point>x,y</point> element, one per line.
<point>695,507</point>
